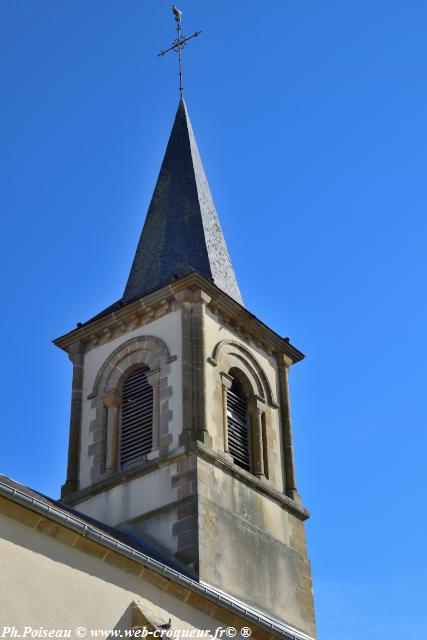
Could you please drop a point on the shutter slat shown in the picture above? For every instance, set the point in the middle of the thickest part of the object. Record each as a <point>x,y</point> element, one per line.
<point>137,439</point>
<point>138,417</point>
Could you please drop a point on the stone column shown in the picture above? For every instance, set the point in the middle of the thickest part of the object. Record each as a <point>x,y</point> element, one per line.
<point>76,355</point>
<point>285,409</point>
<point>112,401</point>
<point>265,446</point>
<point>226,382</point>
<point>153,379</point>
<point>256,409</point>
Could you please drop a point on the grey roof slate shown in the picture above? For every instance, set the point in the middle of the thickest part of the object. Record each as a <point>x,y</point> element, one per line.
<point>181,232</point>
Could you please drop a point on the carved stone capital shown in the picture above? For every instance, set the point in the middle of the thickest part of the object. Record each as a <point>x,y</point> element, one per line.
<point>256,405</point>
<point>284,361</point>
<point>186,295</point>
<point>226,380</point>
<point>76,352</point>
<point>153,378</point>
<point>113,399</point>
<point>201,296</point>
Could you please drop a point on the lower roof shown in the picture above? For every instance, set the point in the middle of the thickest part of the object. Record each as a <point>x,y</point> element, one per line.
<point>141,552</point>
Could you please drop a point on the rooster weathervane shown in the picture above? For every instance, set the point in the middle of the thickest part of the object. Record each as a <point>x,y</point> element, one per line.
<point>179,43</point>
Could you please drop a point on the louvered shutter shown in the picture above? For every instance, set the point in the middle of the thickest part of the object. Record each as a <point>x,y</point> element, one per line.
<point>136,437</point>
<point>238,431</point>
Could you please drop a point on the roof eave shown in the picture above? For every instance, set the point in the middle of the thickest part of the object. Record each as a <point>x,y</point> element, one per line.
<point>233,313</point>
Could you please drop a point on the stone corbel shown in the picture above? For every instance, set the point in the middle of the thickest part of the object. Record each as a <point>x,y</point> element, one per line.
<point>112,401</point>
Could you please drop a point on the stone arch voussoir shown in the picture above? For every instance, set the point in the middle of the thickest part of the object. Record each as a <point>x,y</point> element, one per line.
<point>229,353</point>
<point>144,350</point>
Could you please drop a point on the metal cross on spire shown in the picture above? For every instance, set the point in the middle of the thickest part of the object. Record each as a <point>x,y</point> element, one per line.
<point>179,43</point>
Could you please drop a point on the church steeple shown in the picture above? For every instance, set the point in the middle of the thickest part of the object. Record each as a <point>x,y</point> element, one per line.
<point>180,425</point>
<point>182,232</point>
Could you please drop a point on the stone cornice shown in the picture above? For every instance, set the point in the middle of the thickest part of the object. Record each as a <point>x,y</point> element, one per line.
<point>119,477</point>
<point>162,301</point>
<point>208,454</point>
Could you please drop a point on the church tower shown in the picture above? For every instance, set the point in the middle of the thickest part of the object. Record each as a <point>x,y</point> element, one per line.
<point>180,429</point>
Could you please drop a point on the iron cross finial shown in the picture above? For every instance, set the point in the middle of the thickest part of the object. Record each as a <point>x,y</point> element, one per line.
<point>179,43</point>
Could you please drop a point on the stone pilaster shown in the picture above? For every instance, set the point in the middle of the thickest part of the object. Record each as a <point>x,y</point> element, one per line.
<point>76,355</point>
<point>288,450</point>
<point>193,309</point>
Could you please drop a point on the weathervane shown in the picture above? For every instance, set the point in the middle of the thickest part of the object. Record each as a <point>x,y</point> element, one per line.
<point>179,43</point>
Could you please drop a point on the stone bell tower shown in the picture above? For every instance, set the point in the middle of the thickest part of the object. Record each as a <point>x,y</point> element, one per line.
<point>180,429</point>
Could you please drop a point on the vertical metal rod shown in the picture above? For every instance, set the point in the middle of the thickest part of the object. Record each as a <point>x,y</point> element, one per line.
<point>178,28</point>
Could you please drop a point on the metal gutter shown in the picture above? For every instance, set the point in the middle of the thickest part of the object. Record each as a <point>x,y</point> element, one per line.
<point>77,524</point>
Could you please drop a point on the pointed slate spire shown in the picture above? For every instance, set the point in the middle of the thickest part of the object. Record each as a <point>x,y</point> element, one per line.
<point>182,232</point>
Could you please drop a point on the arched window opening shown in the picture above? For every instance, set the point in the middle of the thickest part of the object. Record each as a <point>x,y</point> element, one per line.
<point>136,434</point>
<point>239,441</point>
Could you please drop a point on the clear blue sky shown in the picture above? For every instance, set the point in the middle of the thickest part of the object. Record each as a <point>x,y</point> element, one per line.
<point>311,120</point>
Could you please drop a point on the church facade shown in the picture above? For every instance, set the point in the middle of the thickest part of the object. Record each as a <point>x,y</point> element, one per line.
<point>180,500</point>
